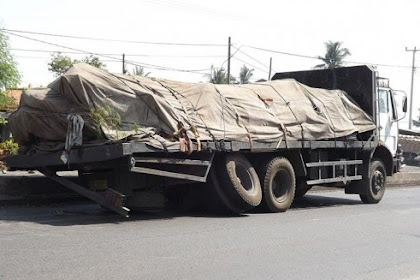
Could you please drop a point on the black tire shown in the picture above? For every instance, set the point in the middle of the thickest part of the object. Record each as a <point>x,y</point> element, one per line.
<point>278,182</point>
<point>375,185</point>
<point>217,200</point>
<point>301,187</point>
<point>239,185</point>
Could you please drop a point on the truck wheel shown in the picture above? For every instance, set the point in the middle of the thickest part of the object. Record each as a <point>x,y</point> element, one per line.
<point>375,185</point>
<point>278,182</point>
<point>301,187</point>
<point>239,182</point>
<point>216,198</point>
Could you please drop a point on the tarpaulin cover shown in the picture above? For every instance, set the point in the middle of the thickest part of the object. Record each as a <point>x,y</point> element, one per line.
<point>157,110</point>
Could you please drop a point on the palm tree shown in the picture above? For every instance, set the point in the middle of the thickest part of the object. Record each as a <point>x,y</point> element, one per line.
<point>139,71</point>
<point>334,56</point>
<point>245,74</point>
<point>219,76</point>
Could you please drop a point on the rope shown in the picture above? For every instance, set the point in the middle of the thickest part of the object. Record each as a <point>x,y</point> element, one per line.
<point>74,135</point>
<point>293,113</point>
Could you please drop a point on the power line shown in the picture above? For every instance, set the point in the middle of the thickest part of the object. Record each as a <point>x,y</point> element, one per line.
<point>256,67</point>
<point>281,52</point>
<point>48,51</point>
<point>115,40</point>
<point>259,62</point>
<point>232,55</point>
<point>31,57</point>
<point>61,46</point>
<point>133,55</point>
<point>146,65</point>
<point>315,57</point>
<point>157,67</point>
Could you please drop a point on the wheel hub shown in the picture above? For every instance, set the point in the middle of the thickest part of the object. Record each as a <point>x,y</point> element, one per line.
<point>280,185</point>
<point>377,181</point>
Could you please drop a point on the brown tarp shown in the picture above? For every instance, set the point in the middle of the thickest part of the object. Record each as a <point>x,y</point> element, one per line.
<point>155,109</point>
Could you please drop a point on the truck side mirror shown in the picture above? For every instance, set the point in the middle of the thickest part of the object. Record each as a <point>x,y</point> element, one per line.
<point>400,102</point>
<point>404,109</point>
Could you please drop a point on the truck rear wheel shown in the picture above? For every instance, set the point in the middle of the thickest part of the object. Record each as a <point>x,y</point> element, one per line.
<point>239,181</point>
<point>375,185</point>
<point>278,182</point>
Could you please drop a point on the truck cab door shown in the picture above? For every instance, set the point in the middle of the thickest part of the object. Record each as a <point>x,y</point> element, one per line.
<point>388,124</point>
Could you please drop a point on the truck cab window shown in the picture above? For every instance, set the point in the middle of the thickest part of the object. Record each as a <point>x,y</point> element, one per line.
<point>383,101</point>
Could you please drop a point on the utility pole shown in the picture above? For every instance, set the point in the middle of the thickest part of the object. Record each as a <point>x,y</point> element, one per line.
<point>413,68</point>
<point>269,71</point>
<point>228,67</point>
<point>123,66</point>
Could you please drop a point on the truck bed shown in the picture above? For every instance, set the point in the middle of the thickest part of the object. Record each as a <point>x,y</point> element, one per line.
<point>110,152</point>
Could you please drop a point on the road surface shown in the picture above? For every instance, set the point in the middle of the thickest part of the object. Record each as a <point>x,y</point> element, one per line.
<point>326,235</point>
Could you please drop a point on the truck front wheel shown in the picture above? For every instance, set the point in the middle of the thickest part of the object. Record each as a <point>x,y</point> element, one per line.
<point>375,185</point>
<point>278,182</point>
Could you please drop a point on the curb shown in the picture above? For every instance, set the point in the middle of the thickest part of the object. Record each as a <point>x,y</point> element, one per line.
<point>404,179</point>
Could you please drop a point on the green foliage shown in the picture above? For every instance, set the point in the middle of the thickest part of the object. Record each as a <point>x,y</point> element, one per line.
<point>245,74</point>
<point>94,61</point>
<point>6,101</point>
<point>105,116</point>
<point>136,128</point>
<point>3,122</point>
<point>59,63</point>
<point>334,56</point>
<point>10,145</point>
<point>219,76</point>
<point>9,74</point>
<point>139,71</point>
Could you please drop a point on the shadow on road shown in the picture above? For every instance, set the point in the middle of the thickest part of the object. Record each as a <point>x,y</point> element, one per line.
<point>317,201</point>
<point>87,213</point>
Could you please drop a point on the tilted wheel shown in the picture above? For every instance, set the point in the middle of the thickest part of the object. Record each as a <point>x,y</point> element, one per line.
<point>278,183</point>
<point>375,185</point>
<point>238,184</point>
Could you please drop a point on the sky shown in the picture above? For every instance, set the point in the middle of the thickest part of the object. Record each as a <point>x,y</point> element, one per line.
<point>182,39</point>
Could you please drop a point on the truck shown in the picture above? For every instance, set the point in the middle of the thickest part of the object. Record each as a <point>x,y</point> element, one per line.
<point>137,142</point>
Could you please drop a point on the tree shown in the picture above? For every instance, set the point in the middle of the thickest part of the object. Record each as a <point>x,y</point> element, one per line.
<point>9,74</point>
<point>59,63</point>
<point>334,56</point>
<point>219,76</point>
<point>139,71</point>
<point>94,61</point>
<point>245,74</point>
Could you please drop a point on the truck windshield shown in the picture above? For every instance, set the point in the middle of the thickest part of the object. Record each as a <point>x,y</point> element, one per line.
<point>383,101</point>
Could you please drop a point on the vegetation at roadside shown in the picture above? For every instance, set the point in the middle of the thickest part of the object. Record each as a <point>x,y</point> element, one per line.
<point>139,71</point>
<point>59,63</point>
<point>219,76</point>
<point>10,145</point>
<point>334,55</point>
<point>245,74</point>
<point>9,74</point>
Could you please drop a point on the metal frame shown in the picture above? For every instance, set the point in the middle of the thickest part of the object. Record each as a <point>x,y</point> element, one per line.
<point>168,162</point>
<point>108,152</point>
<point>334,179</point>
<point>96,197</point>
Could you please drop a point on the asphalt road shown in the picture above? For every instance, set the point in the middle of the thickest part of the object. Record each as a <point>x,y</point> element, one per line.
<point>326,235</point>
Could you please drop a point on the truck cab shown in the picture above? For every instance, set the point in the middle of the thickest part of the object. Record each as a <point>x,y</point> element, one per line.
<point>392,106</point>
